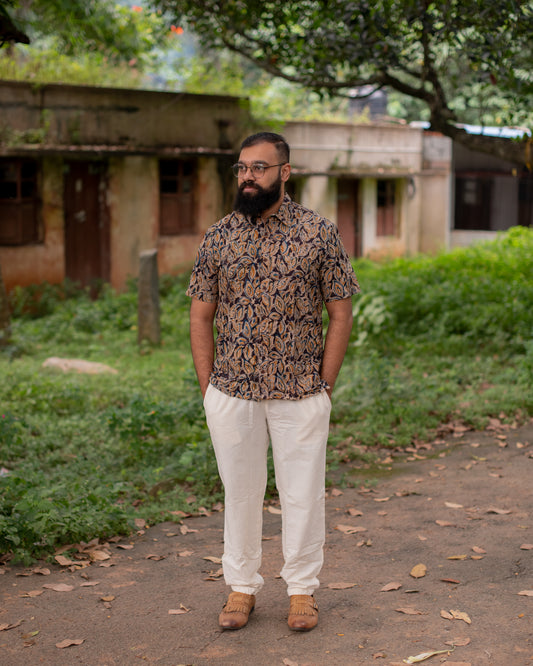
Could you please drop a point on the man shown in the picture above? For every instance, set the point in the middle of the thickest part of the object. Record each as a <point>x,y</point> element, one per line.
<point>264,272</point>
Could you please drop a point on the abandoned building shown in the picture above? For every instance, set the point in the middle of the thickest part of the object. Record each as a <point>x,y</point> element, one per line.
<point>91,177</point>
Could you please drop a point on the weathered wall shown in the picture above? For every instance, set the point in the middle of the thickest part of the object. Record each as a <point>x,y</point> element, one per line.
<point>420,162</point>
<point>177,253</point>
<point>29,264</point>
<point>83,115</point>
<point>133,207</point>
<point>356,149</point>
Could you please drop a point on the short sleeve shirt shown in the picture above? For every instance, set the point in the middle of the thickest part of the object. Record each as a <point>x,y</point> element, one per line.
<point>270,280</point>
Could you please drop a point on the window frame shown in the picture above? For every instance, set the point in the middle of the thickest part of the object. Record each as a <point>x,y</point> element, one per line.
<point>24,226</point>
<point>177,197</point>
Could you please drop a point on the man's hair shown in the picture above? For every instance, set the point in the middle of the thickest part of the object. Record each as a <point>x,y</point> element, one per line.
<point>269,137</point>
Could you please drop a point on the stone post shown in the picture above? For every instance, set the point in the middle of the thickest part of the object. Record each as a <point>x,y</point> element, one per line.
<point>148,325</point>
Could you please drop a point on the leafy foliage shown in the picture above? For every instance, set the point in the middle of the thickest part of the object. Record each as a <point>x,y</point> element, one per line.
<point>452,56</point>
<point>435,339</point>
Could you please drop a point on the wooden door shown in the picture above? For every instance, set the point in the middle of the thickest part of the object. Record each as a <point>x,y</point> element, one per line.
<point>348,215</point>
<point>87,259</point>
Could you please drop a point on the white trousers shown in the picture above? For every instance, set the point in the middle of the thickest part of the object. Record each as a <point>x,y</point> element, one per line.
<point>298,430</point>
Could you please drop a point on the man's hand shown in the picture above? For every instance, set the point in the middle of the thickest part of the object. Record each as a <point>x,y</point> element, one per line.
<point>202,315</point>
<point>337,337</point>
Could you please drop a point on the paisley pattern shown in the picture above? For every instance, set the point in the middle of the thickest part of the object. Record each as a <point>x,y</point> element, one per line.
<point>270,280</point>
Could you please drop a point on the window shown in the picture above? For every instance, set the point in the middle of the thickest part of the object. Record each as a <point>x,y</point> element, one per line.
<point>176,197</point>
<point>473,196</point>
<point>19,224</point>
<point>386,208</point>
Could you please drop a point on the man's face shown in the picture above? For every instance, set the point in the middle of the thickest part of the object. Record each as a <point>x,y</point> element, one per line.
<point>257,194</point>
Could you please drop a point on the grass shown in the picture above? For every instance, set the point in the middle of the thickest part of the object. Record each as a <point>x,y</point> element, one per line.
<point>435,339</point>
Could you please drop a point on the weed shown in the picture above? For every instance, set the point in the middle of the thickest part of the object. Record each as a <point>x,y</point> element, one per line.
<point>435,338</point>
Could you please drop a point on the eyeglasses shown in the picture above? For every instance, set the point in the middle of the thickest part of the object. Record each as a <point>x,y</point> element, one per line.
<point>257,170</point>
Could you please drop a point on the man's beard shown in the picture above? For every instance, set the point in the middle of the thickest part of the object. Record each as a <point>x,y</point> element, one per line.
<point>253,205</point>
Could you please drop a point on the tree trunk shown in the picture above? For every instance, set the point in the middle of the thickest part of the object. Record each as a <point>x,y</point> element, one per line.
<point>516,151</point>
<point>5,321</point>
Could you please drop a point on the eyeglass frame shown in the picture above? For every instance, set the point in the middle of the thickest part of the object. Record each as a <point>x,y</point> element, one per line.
<point>240,169</point>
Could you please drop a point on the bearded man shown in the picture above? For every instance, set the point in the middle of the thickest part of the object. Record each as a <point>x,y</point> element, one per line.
<point>262,275</point>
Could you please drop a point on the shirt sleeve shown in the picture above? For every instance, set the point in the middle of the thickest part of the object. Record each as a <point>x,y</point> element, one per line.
<point>203,284</point>
<point>338,279</point>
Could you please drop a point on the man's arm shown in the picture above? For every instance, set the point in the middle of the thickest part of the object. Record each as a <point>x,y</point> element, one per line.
<point>202,315</point>
<point>337,337</point>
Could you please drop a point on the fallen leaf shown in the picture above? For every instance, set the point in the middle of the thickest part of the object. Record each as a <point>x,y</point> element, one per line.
<point>59,587</point>
<point>479,550</point>
<point>349,529</point>
<point>68,642</point>
<point>274,509</point>
<point>215,575</point>
<point>446,615</point>
<point>41,571</point>
<point>32,593</point>
<point>335,492</point>
<point>408,611</point>
<point>186,553</point>
<point>390,586</point>
<point>179,611</point>
<point>354,512</point>
<point>341,586</point>
<point>379,655</point>
<point>215,560</point>
<point>98,555</point>
<point>457,557</point>
<point>125,546</point>
<point>451,505</point>
<point>381,499</point>
<point>364,542</point>
<point>423,656</point>
<point>7,627</point>
<point>63,561</point>
<point>155,557</point>
<point>526,546</point>
<point>477,557</point>
<point>526,593</point>
<point>419,571</point>
<point>31,634</point>
<point>445,523</point>
<point>90,583</point>
<point>451,580</point>
<point>459,615</point>
<point>186,530</point>
<point>289,662</point>
<point>500,512</point>
<point>108,598</point>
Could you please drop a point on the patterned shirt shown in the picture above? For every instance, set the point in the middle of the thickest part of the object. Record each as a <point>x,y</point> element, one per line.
<point>270,280</point>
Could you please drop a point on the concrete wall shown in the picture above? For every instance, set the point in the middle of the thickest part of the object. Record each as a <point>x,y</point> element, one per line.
<point>130,130</point>
<point>83,115</point>
<point>420,163</point>
<point>30,264</point>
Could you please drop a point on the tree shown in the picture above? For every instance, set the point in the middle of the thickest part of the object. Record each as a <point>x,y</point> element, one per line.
<point>458,57</point>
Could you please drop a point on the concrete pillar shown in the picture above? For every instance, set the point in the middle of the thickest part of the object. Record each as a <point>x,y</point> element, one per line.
<point>148,325</point>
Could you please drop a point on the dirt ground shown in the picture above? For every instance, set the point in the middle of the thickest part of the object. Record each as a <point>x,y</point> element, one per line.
<point>463,509</point>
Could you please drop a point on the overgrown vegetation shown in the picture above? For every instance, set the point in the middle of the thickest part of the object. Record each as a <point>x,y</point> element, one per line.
<point>440,339</point>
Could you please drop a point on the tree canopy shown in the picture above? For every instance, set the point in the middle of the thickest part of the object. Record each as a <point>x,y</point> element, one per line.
<point>461,58</point>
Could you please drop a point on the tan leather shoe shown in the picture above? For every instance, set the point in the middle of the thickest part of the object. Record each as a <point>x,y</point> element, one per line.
<point>303,613</point>
<point>236,610</point>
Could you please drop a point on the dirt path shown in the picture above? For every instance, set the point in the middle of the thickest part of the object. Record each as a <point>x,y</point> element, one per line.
<point>464,512</point>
